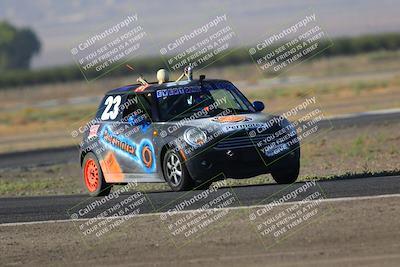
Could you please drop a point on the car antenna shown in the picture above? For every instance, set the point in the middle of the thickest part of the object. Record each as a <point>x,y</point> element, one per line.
<point>140,79</point>
<point>129,67</point>
<point>188,72</point>
<point>202,77</point>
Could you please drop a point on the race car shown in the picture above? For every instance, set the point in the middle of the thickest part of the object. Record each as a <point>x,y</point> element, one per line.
<point>187,133</point>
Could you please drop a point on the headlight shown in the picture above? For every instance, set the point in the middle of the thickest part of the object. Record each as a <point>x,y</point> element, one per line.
<point>288,127</point>
<point>195,137</point>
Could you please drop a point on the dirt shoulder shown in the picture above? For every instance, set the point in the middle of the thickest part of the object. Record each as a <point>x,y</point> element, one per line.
<point>355,150</point>
<point>44,116</point>
<point>354,233</point>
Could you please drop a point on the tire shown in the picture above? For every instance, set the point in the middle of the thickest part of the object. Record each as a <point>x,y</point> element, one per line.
<point>286,176</point>
<point>93,178</point>
<point>175,172</point>
<point>203,185</point>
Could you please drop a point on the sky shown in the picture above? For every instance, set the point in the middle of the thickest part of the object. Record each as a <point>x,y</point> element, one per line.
<point>60,25</point>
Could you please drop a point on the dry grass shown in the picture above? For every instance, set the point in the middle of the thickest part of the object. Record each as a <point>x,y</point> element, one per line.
<point>335,97</point>
<point>341,85</point>
<point>347,152</point>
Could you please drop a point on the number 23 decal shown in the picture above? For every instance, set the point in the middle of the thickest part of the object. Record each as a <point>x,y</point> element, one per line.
<point>111,101</point>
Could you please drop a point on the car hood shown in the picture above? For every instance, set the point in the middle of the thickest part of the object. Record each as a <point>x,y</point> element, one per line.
<point>232,122</point>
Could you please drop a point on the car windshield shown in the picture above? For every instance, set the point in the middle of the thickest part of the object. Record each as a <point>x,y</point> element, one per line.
<point>201,102</point>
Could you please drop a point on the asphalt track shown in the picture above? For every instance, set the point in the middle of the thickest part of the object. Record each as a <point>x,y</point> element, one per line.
<point>28,209</point>
<point>44,208</point>
<point>70,154</point>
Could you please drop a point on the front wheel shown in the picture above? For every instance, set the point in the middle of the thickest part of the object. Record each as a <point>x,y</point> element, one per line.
<point>286,176</point>
<point>203,185</point>
<point>93,177</point>
<point>175,172</point>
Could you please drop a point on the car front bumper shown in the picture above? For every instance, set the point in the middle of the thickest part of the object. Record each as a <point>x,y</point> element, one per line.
<point>239,163</point>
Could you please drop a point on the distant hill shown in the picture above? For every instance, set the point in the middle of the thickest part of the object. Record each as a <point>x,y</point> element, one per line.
<point>61,24</point>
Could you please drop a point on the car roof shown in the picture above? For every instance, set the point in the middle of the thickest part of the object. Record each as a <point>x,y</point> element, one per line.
<point>154,86</point>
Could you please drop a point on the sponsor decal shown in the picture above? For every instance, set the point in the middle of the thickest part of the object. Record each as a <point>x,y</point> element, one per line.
<point>147,156</point>
<point>178,91</point>
<point>111,169</point>
<point>140,121</point>
<point>276,150</point>
<point>119,142</point>
<point>231,118</point>
<point>93,131</point>
<point>142,153</point>
<point>245,126</point>
<point>142,88</point>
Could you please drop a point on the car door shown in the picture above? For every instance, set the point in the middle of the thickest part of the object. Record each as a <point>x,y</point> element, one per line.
<point>134,139</point>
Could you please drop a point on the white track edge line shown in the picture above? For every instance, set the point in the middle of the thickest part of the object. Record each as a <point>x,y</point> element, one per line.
<point>363,114</point>
<point>228,208</point>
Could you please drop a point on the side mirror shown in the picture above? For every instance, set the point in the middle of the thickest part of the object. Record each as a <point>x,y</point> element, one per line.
<point>258,106</point>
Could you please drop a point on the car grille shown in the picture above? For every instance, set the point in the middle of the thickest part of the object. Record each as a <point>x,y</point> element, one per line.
<point>235,141</point>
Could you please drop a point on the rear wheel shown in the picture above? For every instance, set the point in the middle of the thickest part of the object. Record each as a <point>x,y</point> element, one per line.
<point>175,172</point>
<point>93,177</point>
